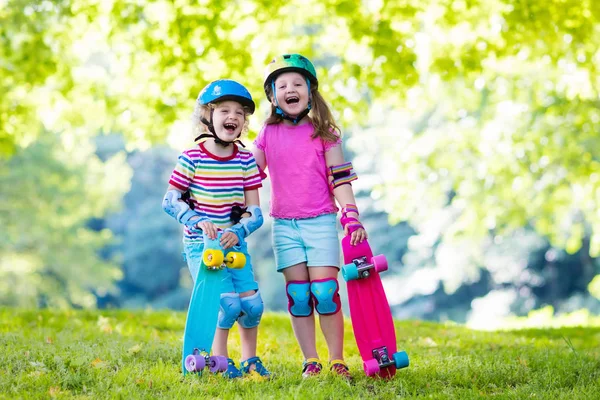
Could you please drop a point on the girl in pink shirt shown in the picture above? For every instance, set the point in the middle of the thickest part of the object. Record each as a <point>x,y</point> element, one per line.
<point>301,146</point>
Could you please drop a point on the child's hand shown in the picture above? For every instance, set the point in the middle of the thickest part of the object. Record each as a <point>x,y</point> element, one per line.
<point>353,226</point>
<point>208,228</point>
<point>229,239</point>
<point>358,236</point>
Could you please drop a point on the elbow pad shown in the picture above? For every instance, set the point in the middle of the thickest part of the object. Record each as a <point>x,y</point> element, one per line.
<point>180,210</point>
<point>339,175</point>
<point>249,224</point>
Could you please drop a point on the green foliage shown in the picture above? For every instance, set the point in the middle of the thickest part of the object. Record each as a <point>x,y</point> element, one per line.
<point>594,287</point>
<point>138,66</point>
<point>490,106</point>
<point>512,132</point>
<point>116,354</point>
<point>149,246</point>
<point>49,256</point>
<point>503,129</point>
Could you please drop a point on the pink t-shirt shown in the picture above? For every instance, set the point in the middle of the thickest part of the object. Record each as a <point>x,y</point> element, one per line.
<point>298,172</point>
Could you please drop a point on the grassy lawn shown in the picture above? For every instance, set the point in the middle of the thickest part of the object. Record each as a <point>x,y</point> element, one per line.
<point>136,355</point>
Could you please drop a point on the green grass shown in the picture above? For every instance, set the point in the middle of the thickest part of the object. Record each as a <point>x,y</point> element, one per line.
<point>136,355</point>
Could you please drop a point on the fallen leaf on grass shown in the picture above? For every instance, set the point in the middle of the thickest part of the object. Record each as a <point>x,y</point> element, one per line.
<point>135,349</point>
<point>98,363</point>
<point>38,365</point>
<point>429,342</point>
<point>104,324</point>
<point>523,361</point>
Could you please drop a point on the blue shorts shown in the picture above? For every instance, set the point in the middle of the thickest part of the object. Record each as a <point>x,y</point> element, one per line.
<point>236,280</point>
<point>311,240</point>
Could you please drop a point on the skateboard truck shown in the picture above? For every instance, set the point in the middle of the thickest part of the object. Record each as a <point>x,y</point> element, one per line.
<point>361,267</point>
<point>381,359</point>
<point>381,355</point>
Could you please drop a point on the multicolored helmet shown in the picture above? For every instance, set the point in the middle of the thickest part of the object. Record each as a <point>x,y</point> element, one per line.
<point>290,63</point>
<point>226,89</point>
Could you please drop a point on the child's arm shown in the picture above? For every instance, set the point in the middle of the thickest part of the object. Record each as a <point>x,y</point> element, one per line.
<point>181,211</point>
<point>251,198</point>
<point>261,162</point>
<point>345,196</point>
<point>251,220</point>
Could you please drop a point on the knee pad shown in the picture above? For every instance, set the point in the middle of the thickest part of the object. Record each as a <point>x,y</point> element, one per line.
<point>230,310</point>
<point>326,293</point>
<point>252,309</point>
<point>299,300</point>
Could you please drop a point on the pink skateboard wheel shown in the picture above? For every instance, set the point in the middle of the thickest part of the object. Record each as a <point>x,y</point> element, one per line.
<point>194,363</point>
<point>380,263</point>
<point>371,367</point>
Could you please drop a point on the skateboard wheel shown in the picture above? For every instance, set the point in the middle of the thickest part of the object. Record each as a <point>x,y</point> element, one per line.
<point>350,272</point>
<point>194,363</point>
<point>380,263</point>
<point>235,260</point>
<point>212,257</point>
<point>400,359</point>
<point>371,367</point>
<point>217,364</point>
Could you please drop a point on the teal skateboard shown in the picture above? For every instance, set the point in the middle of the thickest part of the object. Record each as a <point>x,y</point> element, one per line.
<point>203,310</point>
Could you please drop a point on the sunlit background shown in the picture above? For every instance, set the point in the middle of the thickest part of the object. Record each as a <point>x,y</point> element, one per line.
<point>473,127</point>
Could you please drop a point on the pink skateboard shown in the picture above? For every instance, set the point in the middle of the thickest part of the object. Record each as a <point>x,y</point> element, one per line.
<point>370,311</point>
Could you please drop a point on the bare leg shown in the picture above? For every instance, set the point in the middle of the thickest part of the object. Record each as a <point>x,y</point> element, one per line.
<point>304,327</point>
<point>332,326</point>
<point>248,336</point>
<point>220,342</point>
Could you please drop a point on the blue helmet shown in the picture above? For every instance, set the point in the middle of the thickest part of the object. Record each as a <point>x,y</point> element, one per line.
<point>226,89</point>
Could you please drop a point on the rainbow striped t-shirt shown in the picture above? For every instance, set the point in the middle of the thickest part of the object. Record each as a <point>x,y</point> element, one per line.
<point>216,184</point>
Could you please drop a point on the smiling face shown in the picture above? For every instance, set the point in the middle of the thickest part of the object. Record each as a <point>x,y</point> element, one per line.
<point>292,93</point>
<point>228,120</point>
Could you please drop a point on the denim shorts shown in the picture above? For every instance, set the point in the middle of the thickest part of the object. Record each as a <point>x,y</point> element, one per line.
<point>236,280</point>
<point>311,240</point>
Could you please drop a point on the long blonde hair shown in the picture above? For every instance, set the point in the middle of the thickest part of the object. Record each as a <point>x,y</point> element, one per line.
<point>320,116</point>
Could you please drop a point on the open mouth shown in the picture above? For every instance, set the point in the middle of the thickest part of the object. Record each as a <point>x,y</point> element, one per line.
<point>230,127</point>
<point>292,100</point>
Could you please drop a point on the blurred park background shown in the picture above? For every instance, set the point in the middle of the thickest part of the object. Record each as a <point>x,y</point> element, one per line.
<point>473,127</point>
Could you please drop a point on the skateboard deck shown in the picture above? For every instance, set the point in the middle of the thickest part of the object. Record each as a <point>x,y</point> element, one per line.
<point>203,310</point>
<point>370,311</point>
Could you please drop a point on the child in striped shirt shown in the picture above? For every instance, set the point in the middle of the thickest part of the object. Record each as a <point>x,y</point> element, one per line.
<point>210,180</point>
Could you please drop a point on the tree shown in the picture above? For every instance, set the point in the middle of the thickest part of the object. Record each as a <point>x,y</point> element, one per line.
<point>48,254</point>
<point>497,98</point>
<point>149,246</point>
